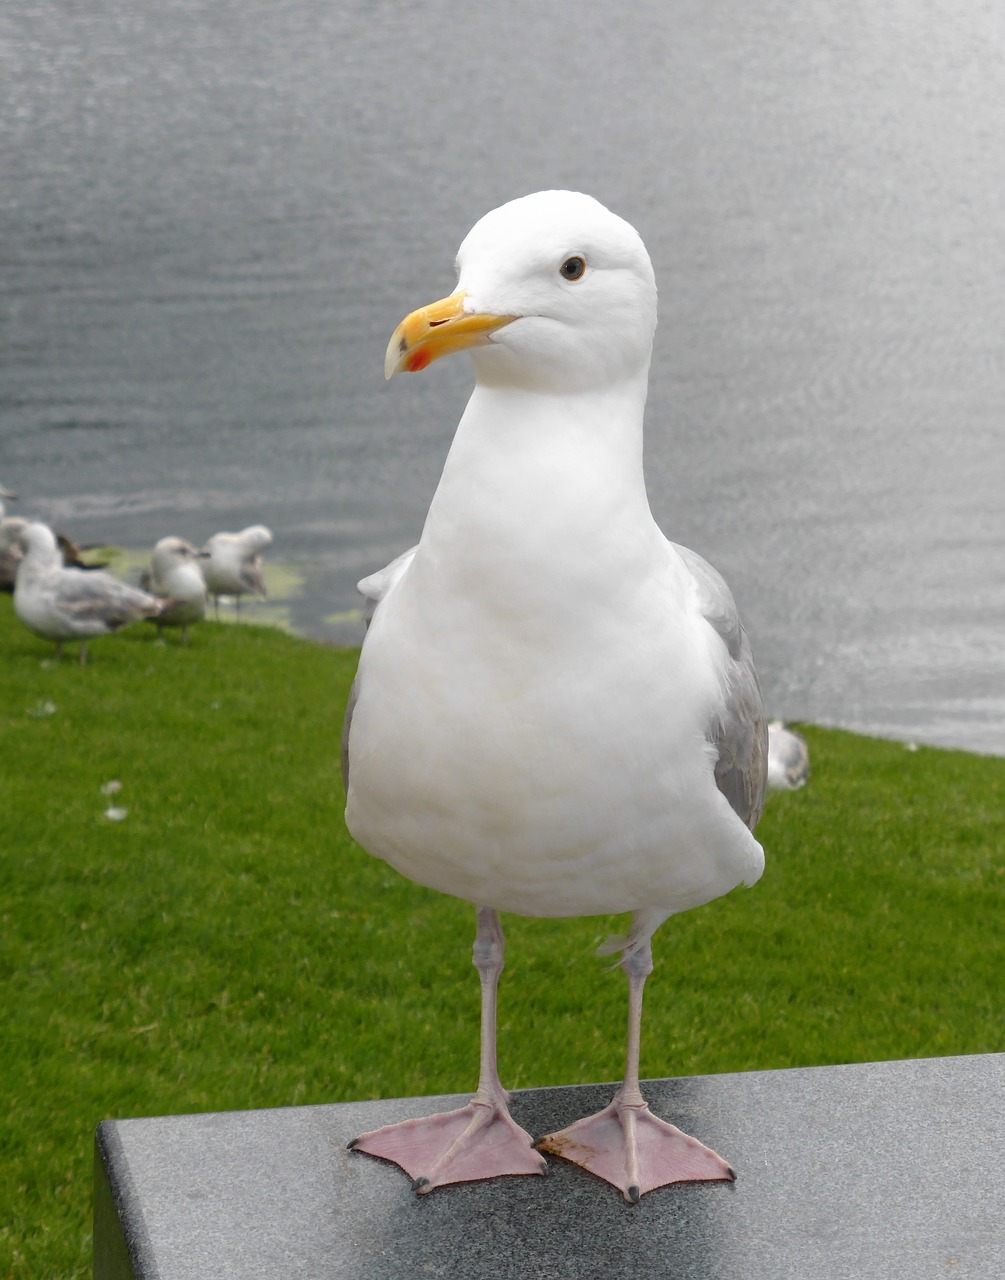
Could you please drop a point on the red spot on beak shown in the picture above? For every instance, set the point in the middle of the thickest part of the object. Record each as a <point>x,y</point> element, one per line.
<point>417,360</point>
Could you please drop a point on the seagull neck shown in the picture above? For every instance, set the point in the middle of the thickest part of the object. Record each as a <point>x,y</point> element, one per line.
<point>532,470</point>
<point>565,443</point>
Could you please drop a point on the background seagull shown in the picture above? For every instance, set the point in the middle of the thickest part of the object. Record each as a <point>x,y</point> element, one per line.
<point>233,564</point>
<point>59,603</point>
<point>73,553</point>
<point>788,758</point>
<point>175,578</point>
<point>70,550</point>
<point>11,552</point>
<point>556,711</point>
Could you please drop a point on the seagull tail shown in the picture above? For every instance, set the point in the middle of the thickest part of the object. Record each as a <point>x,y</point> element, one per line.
<point>160,605</point>
<point>644,925</point>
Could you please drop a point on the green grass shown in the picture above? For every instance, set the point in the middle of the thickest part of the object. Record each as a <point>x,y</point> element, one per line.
<point>227,946</point>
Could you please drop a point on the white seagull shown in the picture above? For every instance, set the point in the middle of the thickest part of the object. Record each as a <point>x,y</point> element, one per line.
<point>233,563</point>
<point>788,758</point>
<point>175,577</point>
<point>11,552</point>
<point>556,711</point>
<point>60,603</point>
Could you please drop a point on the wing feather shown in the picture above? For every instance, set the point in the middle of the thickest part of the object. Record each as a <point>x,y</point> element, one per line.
<point>739,730</point>
<point>97,597</point>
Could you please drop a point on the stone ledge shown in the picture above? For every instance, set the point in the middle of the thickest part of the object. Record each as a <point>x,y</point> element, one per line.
<point>882,1170</point>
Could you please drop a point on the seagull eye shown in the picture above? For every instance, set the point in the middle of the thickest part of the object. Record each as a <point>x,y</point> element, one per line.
<point>572,268</point>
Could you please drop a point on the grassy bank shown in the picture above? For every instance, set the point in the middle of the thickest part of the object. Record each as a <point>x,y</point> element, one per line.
<point>225,945</point>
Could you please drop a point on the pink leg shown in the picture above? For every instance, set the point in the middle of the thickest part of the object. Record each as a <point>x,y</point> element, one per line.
<point>481,1140</point>
<point>625,1144</point>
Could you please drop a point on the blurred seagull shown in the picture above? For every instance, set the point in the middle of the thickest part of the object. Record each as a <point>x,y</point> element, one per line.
<point>73,553</point>
<point>233,566</point>
<point>556,711</point>
<point>788,758</point>
<point>175,578</point>
<point>60,604</point>
<point>11,553</point>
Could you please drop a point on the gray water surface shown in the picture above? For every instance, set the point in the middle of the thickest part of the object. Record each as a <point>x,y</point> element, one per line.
<point>212,215</point>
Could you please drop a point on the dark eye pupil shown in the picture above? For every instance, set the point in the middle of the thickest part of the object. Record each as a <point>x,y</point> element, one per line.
<point>573,268</point>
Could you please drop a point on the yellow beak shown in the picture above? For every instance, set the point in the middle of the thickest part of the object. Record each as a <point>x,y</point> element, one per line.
<point>435,331</point>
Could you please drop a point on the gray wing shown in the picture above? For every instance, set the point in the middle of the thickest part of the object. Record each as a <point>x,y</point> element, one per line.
<point>740,732</point>
<point>252,576</point>
<point>94,596</point>
<point>373,589</point>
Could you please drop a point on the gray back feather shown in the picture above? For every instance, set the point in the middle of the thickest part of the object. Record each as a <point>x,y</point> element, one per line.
<point>740,732</point>
<point>95,596</point>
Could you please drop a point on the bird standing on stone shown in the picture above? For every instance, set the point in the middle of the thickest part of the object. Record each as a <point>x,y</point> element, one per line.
<point>233,564</point>
<point>175,577</point>
<point>59,603</point>
<point>556,712</point>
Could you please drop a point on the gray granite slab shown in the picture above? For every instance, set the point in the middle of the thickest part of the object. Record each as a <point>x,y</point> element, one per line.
<point>881,1170</point>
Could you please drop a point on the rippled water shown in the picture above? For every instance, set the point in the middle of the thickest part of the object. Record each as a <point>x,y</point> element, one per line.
<point>213,214</point>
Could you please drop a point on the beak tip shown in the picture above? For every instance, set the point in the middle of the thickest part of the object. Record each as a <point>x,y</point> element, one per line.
<point>392,356</point>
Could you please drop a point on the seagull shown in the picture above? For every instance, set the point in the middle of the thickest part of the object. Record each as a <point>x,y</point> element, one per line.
<point>788,758</point>
<point>73,553</point>
<point>556,711</point>
<point>6,493</point>
<point>60,604</point>
<point>175,578</point>
<point>11,528</point>
<point>234,563</point>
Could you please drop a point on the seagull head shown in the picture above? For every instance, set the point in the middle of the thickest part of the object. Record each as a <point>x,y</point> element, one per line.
<point>170,552</point>
<point>255,538</point>
<point>39,544</point>
<point>554,293</point>
<point>11,529</point>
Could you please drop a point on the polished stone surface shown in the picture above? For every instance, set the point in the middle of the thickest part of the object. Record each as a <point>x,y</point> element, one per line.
<point>882,1170</point>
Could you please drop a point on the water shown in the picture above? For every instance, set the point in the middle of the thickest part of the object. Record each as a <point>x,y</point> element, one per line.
<point>212,215</point>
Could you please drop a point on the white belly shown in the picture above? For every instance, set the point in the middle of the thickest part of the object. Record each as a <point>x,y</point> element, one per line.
<point>542,770</point>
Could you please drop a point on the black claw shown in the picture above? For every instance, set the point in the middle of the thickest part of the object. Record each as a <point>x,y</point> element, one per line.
<point>732,1173</point>
<point>419,1183</point>
<point>351,1146</point>
<point>634,1194</point>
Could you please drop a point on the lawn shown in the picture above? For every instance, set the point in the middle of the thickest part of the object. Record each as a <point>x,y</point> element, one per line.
<point>225,945</point>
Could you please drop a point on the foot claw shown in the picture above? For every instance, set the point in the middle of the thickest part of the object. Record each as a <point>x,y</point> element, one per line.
<point>634,1194</point>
